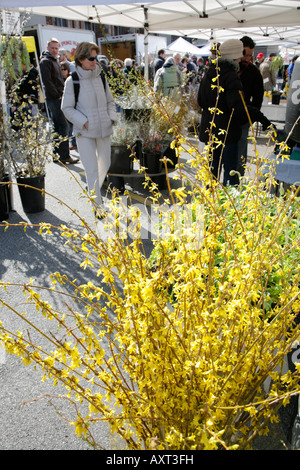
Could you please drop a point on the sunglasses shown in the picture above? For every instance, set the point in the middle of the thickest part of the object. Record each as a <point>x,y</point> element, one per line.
<point>91,59</point>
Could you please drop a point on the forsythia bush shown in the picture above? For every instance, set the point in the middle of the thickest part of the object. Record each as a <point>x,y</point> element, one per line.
<point>196,329</point>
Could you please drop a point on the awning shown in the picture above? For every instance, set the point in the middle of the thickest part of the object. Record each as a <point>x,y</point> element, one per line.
<point>213,20</point>
<point>184,47</point>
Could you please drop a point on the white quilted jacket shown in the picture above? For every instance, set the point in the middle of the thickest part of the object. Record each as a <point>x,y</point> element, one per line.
<point>95,105</point>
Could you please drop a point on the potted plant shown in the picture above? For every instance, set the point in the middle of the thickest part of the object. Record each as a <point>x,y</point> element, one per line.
<point>134,102</point>
<point>276,95</point>
<point>153,146</point>
<point>170,122</point>
<point>29,157</point>
<point>14,59</point>
<point>122,141</point>
<point>276,64</point>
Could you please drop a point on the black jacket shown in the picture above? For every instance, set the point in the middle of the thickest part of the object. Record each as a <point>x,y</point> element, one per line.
<point>158,63</point>
<point>229,100</point>
<point>51,76</point>
<point>253,84</point>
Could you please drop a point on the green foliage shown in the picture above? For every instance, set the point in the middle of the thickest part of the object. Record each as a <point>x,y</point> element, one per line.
<point>276,63</point>
<point>14,60</point>
<point>14,55</point>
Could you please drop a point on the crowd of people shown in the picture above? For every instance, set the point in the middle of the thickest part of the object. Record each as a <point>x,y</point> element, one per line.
<point>85,121</point>
<point>270,74</point>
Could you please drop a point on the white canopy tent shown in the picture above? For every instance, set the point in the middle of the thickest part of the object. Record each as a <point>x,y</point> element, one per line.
<point>183,47</point>
<point>205,50</point>
<point>214,20</point>
<point>263,20</point>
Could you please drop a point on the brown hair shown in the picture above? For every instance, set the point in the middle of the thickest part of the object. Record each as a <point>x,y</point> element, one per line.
<point>83,50</point>
<point>65,65</point>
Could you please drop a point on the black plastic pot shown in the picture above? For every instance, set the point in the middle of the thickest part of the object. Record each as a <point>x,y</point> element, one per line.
<point>32,198</point>
<point>152,162</point>
<point>116,182</point>
<point>138,149</point>
<point>121,162</point>
<point>171,155</point>
<point>276,98</point>
<point>4,207</point>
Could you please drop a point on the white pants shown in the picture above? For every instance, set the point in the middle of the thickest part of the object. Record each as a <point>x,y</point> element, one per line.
<point>95,157</point>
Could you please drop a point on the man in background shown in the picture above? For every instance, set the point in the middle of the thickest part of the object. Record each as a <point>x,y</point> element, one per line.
<point>160,60</point>
<point>54,87</point>
<point>268,75</point>
<point>177,61</point>
<point>63,57</point>
<point>253,87</point>
<point>259,59</point>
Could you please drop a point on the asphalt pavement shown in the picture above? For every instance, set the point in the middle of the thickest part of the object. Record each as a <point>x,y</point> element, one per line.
<point>28,420</point>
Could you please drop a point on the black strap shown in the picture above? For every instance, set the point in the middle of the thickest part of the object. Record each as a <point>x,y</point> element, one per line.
<point>76,83</point>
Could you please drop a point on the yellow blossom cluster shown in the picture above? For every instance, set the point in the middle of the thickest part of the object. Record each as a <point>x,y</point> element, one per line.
<point>175,349</point>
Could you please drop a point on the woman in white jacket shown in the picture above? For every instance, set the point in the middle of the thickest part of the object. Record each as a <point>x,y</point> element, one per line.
<point>92,116</point>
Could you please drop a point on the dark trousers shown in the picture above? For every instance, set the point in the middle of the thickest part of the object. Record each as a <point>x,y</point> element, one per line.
<point>60,127</point>
<point>243,149</point>
<point>228,160</point>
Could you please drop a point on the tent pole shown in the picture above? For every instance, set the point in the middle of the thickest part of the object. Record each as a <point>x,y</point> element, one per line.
<point>146,52</point>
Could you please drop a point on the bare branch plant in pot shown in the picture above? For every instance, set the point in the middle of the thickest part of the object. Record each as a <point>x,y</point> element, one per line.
<point>29,157</point>
<point>14,58</point>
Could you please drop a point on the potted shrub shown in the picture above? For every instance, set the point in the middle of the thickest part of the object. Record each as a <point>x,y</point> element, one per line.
<point>175,353</point>
<point>170,117</point>
<point>153,146</point>
<point>122,141</point>
<point>14,59</point>
<point>157,134</point>
<point>29,157</point>
<point>134,102</point>
<point>276,95</point>
<point>276,64</point>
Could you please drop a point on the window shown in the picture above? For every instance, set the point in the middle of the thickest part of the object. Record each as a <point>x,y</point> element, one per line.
<point>60,22</point>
